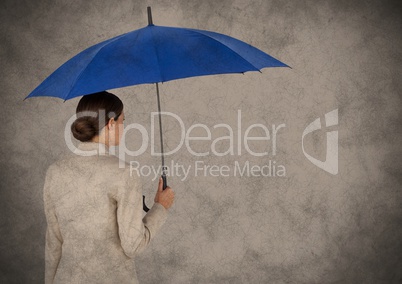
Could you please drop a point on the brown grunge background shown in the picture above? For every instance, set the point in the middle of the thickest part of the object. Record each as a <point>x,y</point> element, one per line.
<point>306,227</point>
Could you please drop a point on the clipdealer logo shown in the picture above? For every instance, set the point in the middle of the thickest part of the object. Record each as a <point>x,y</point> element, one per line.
<point>269,135</point>
<point>330,164</point>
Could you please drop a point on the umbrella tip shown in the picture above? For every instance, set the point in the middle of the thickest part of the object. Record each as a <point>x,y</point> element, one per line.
<point>150,23</point>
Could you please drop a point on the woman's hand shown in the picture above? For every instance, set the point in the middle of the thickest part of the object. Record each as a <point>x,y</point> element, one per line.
<point>164,197</point>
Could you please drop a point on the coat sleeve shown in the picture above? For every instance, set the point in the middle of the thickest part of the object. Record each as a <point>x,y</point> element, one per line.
<point>54,239</point>
<point>135,231</point>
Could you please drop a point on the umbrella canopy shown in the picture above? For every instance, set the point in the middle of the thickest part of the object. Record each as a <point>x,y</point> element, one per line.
<point>152,54</point>
<point>149,55</point>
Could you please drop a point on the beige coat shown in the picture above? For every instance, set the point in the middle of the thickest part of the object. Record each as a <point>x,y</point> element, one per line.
<point>95,219</point>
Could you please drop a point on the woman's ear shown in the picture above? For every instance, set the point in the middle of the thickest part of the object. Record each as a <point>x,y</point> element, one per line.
<point>111,123</point>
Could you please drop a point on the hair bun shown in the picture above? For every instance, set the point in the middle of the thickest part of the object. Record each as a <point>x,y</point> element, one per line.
<point>85,128</point>
<point>92,113</point>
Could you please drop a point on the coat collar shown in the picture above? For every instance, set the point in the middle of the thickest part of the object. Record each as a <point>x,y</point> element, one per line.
<point>91,149</point>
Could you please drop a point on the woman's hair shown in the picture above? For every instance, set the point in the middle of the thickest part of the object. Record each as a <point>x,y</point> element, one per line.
<point>88,112</point>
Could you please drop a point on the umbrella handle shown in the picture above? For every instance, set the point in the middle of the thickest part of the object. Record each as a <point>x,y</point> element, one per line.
<point>164,178</point>
<point>144,206</point>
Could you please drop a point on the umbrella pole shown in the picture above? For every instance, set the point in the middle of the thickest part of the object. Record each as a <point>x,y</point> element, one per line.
<point>161,138</point>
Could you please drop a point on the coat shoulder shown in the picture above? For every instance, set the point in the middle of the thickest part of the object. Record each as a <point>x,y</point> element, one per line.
<point>102,163</point>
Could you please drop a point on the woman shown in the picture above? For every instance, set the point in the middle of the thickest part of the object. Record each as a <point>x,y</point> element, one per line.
<point>94,207</point>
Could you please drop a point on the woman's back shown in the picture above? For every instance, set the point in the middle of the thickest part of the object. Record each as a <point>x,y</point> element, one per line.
<point>95,224</point>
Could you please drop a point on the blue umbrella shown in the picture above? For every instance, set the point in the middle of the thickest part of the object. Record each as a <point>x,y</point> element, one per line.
<point>152,54</point>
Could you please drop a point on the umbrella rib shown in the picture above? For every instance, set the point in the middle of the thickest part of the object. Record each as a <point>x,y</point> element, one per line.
<point>226,46</point>
<point>200,32</point>
<point>86,66</point>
